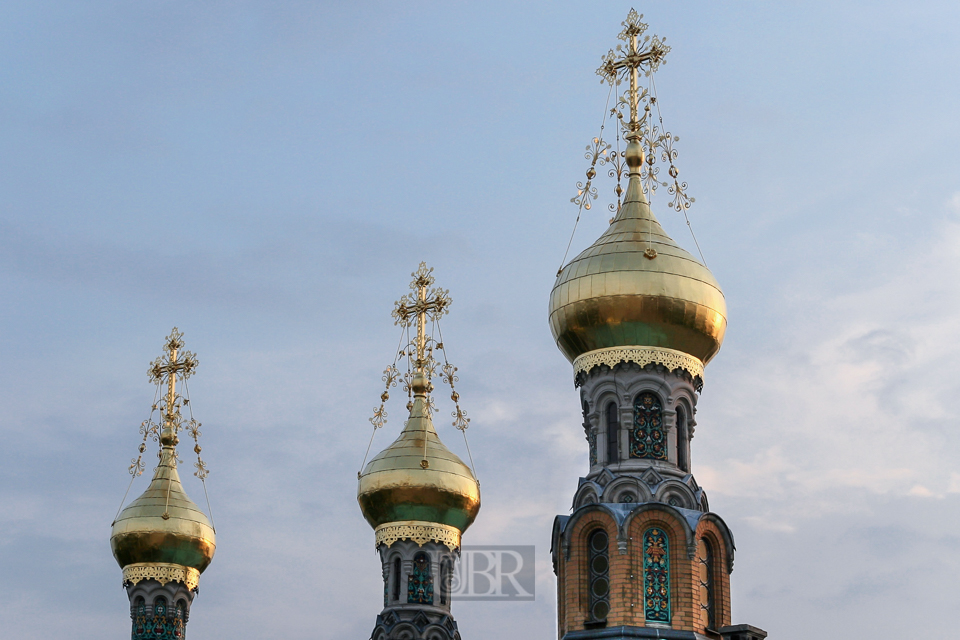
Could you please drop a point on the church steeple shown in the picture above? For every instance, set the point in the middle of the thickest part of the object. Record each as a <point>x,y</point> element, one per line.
<point>635,290</point>
<point>162,540</point>
<point>418,495</point>
<point>641,554</point>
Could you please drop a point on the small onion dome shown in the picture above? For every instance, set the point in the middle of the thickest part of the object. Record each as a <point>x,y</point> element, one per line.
<point>636,287</point>
<point>417,478</point>
<point>141,533</point>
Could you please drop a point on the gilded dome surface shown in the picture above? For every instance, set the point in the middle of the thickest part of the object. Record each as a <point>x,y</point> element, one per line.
<point>615,295</point>
<point>142,535</point>
<point>397,486</point>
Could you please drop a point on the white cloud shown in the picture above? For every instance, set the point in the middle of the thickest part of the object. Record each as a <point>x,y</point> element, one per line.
<point>860,396</point>
<point>953,485</point>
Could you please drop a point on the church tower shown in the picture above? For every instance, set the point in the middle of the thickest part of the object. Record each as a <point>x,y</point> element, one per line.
<point>418,495</point>
<point>641,555</point>
<point>162,540</point>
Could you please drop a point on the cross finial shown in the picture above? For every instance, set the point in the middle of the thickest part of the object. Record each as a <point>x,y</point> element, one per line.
<point>627,60</point>
<point>423,303</point>
<point>175,362</point>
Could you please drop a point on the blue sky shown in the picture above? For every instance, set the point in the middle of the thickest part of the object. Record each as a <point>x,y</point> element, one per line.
<point>266,175</point>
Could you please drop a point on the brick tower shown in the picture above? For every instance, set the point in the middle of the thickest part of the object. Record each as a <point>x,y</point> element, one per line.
<point>641,555</point>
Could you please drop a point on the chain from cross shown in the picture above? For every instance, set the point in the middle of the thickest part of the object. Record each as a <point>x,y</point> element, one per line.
<point>631,58</point>
<point>422,304</point>
<point>176,362</point>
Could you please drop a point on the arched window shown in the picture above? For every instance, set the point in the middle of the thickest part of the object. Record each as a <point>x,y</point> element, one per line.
<point>140,629</point>
<point>683,449</point>
<point>396,579</point>
<point>420,582</point>
<point>708,597</point>
<point>445,577</point>
<point>598,574</point>
<point>647,439</point>
<point>613,433</point>
<point>161,628</point>
<point>656,576</point>
<point>179,616</point>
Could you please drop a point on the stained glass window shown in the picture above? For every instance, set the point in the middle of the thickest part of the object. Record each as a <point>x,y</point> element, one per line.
<point>178,619</point>
<point>613,433</point>
<point>139,619</point>
<point>598,574</point>
<point>707,595</point>
<point>656,576</point>
<point>647,438</point>
<point>160,618</point>
<point>420,582</point>
<point>166,623</point>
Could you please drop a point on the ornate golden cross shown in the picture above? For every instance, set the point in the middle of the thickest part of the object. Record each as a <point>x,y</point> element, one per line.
<point>176,361</point>
<point>422,304</point>
<point>630,59</point>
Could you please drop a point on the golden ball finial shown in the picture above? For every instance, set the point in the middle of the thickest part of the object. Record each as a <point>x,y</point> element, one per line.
<point>634,155</point>
<point>420,385</point>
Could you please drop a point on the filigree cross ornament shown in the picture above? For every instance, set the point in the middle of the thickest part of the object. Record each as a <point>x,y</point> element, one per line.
<point>643,53</point>
<point>414,309</point>
<point>175,361</point>
<point>627,60</point>
<point>176,364</point>
<point>648,141</point>
<point>423,304</point>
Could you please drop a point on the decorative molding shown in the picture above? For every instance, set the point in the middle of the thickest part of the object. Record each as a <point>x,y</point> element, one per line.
<point>419,532</point>
<point>162,573</point>
<point>612,356</point>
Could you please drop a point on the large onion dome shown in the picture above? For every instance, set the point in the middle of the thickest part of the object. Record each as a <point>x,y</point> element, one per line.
<point>417,479</point>
<point>163,529</point>
<point>635,287</point>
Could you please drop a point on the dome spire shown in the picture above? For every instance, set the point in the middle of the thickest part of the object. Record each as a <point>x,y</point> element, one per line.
<point>162,540</point>
<point>415,308</point>
<point>417,479</point>
<point>630,59</point>
<point>163,532</point>
<point>418,496</point>
<point>177,362</point>
<point>635,295</point>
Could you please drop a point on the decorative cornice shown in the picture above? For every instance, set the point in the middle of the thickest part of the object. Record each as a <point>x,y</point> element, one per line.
<point>419,532</point>
<point>642,356</point>
<point>162,573</point>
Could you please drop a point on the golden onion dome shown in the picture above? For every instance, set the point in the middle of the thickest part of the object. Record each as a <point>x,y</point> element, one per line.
<point>636,287</point>
<point>163,526</point>
<point>417,479</point>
